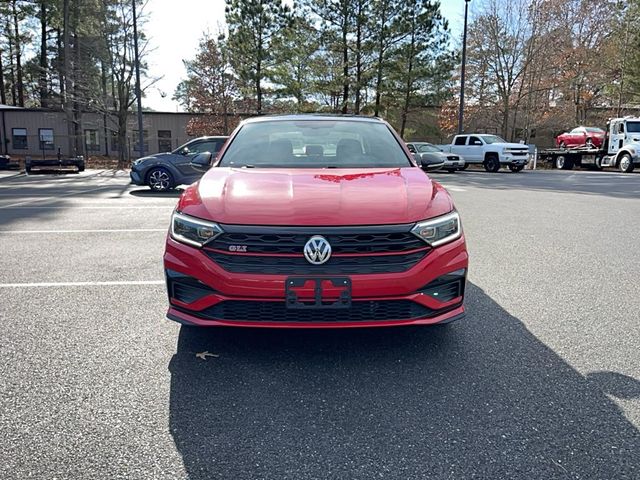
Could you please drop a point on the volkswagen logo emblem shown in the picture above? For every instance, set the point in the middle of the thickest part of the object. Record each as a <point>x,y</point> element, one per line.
<point>317,250</point>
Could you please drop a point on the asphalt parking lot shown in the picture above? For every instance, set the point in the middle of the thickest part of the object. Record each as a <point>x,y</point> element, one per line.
<point>541,380</point>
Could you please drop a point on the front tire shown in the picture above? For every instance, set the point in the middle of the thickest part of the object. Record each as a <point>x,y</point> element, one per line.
<point>626,163</point>
<point>492,164</point>
<point>451,170</point>
<point>160,179</point>
<point>466,165</point>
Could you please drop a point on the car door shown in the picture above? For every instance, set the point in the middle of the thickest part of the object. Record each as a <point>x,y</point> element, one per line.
<point>475,150</point>
<point>184,164</point>
<point>459,145</point>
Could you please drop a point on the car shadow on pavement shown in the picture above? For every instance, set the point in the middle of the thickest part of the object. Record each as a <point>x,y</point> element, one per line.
<point>480,398</point>
<point>147,192</point>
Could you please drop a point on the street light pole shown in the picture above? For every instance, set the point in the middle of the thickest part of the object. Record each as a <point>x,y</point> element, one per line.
<point>464,61</point>
<point>138,91</point>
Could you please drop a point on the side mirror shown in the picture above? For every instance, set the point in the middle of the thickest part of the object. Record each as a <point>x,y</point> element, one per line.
<point>428,162</point>
<point>202,161</point>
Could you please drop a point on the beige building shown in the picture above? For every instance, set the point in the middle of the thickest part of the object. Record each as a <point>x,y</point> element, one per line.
<point>37,132</point>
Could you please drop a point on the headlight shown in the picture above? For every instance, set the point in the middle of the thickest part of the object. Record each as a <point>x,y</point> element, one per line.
<point>193,231</point>
<point>439,230</point>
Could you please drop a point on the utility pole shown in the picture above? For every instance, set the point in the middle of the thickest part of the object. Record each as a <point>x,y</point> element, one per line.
<point>138,90</point>
<point>464,61</point>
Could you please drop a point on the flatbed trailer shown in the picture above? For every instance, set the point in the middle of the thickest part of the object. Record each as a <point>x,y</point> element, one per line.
<point>58,163</point>
<point>567,158</point>
<point>620,149</point>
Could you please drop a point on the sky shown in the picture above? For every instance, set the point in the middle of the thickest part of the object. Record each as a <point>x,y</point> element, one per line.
<point>175,27</point>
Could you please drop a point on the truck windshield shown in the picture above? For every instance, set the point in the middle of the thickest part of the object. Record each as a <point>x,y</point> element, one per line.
<point>493,139</point>
<point>633,127</point>
<point>315,143</point>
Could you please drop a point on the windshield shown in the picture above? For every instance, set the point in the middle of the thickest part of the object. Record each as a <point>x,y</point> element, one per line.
<point>493,139</point>
<point>325,143</point>
<point>633,127</point>
<point>428,148</point>
<point>594,130</point>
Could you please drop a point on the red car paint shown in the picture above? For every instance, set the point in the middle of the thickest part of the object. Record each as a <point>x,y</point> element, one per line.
<point>315,198</point>
<point>580,137</point>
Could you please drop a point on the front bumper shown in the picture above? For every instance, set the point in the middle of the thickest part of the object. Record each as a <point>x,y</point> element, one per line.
<point>515,160</point>
<point>136,177</point>
<point>454,163</point>
<point>221,296</point>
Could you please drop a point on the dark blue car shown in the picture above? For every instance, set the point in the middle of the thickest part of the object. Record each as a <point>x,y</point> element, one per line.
<point>165,171</point>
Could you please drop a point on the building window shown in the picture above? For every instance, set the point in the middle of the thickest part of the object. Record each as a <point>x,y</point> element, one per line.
<point>115,143</point>
<point>91,140</point>
<point>45,136</point>
<point>135,140</point>
<point>19,139</point>
<point>164,141</point>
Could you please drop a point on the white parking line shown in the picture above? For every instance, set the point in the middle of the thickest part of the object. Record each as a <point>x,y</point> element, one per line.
<point>105,230</point>
<point>102,207</point>
<point>54,197</point>
<point>81,284</point>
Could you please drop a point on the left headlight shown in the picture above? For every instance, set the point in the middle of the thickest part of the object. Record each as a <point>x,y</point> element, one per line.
<point>439,230</point>
<point>193,231</point>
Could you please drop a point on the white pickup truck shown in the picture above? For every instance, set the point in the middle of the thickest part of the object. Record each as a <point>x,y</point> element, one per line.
<point>489,150</point>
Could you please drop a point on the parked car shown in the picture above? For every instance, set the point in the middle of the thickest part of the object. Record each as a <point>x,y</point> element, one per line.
<point>491,151</point>
<point>164,171</point>
<point>581,137</point>
<point>452,162</point>
<point>341,231</point>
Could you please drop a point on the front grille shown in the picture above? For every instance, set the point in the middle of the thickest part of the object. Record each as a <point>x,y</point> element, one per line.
<point>278,250</point>
<point>298,265</point>
<point>348,243</point>
<point>360,311</point>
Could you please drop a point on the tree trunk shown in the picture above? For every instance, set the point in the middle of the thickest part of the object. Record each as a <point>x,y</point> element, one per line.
<point>345,64</point>
<point>383,20</point>
<point>42,77</point>
<point>12,75</point>
<point>18,47</point>
<point>60,64</point>
<point>77,106</point>
<point>68,87</point>
<point>3,95</point>
<point>407,92</point>
<point>359,19</point>
<point>105,106</point>
<point>259,87</point>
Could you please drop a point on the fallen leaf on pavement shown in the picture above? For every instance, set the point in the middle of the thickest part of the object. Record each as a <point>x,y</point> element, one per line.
<point>204,355</point>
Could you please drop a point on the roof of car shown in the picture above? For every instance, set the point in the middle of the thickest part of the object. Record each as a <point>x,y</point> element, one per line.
<point>312,116</point>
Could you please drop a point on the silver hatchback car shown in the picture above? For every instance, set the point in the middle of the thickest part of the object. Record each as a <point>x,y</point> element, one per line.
<point>452,162</point>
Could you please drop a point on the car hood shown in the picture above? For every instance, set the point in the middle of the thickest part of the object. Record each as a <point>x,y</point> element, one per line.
<point>518,146</point>
<point>315,196</point>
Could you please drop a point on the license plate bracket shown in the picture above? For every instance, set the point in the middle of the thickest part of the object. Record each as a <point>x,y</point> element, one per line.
<point>341,286</point>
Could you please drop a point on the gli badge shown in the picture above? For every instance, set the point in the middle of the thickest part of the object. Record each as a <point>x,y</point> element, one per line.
<point>237,248</point>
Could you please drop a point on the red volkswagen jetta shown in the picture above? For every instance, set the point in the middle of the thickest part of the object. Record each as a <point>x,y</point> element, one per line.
<point>315,221</point>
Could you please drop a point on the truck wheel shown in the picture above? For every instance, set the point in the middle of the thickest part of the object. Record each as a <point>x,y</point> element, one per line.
<point>160,179</point>
<point>626,164</point>
<point>466,165</point>
<point>598,163</point>
<point>589,143</point>
<point>492,164</point>
<point>451,170</point>
<point>516,168</point>
<point>563,163</point>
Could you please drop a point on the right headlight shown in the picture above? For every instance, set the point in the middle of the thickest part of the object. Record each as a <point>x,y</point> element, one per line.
<point>193,231</point>
<point>439,230</point>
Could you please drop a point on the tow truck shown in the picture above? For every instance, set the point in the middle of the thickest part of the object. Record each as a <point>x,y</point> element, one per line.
<point>620,149</point>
